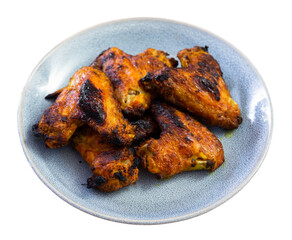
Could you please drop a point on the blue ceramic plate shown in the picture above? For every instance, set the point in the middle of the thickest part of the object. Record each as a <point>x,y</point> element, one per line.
<point>150,201</point>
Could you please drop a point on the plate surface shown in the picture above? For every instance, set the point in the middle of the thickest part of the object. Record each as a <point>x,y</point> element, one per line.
<point>150,201</point>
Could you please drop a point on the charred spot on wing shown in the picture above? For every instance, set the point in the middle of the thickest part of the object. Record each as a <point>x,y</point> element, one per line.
<point>90,102</point>
<point>111,55</point>
<point>145,128</point>
<point>114,137</point>
<point>146,81</point>
<point>158,176</point>
<point>112,73</point>
<point>50,116</point>
<point>163,76</point>
<point>116,141</point>
<point>108,68</point>
<point>176,120</point>
<point>214,73</point>
<point>168,113</point>
<point>239,119</point>
<point>203,65</point>
<point>210,164</point>
<point>142,124</point>
<point>116,81</point>
<point>35,130</point>
<point>205,48</point>
<point>173,62</point>
<point>103,52</point>
<point>106,57</point>
<point>96,181</point>
<point>64,119</point>
<point>52,96</point>
<point>94,64</point>
<point>209,86</point>
<point>119,175</point>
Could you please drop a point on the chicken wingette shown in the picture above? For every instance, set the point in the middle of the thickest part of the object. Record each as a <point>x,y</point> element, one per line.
<point>125,71</point>
<point>198,87</point>
<point>113,167</point>
<point>184,145</point>
<point>89,98</point>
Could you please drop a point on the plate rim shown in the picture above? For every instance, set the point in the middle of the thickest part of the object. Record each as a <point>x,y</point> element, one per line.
<point>130,220</point>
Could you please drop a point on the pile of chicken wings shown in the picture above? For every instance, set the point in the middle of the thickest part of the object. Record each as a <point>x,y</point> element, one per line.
<point>123,111</point>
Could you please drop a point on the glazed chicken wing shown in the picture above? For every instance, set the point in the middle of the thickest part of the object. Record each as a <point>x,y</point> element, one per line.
<point>113,167</point>
<point>184,145</point>
<point>125,71</point>
<point>87,99</point>
<point>198,87</point>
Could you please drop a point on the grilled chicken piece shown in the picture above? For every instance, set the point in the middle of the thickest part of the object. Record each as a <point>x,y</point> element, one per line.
<point>184,145</point>
<point>198,87</point>
<point>113,167</point>
<point>87,99</point>
<point>125,71</point>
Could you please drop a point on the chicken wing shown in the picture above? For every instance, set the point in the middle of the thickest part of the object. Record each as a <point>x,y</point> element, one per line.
<point>87,99</point>
<point>184,145</point>
<point>113,167</point>
<point>125,71</point>
<point>198,87</point>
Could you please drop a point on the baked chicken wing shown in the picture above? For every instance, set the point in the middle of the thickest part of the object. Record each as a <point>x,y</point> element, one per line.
<point>113,167</point>
<point>198,87</point>
<point>87,99</point>
<point>125,71</point>
<point>184,145</point>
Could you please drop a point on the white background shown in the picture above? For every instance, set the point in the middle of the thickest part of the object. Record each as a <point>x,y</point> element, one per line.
<point>259,29</point>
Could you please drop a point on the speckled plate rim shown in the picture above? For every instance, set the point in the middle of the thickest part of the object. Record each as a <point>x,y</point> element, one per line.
<point>150,221</point>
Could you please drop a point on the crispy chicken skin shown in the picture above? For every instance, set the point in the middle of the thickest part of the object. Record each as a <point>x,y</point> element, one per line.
<point>87,99</point>
<point>184,145</point>
<point>113,167</point>
<point>125,71</point>
<point>198,87</point>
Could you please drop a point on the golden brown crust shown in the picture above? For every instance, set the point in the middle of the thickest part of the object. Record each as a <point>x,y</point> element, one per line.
<point>198,87</point>
<point>184,145</point>
<point>125,71</point>
<point>113,167</point>
<point>87,99</point>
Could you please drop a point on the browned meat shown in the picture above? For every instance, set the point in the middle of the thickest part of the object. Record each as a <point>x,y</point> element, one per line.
<point>184,145</point>
<point>125,71</point>
<point>87,99</point>
<point>113,167</point>
<point>197,87</point>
